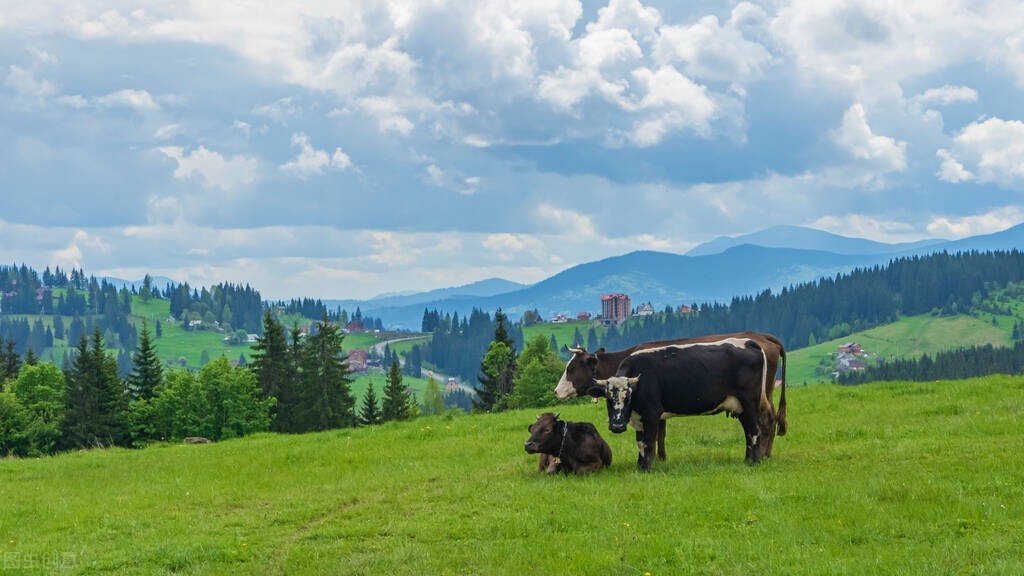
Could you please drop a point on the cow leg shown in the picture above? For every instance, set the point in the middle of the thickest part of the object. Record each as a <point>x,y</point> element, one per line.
<point>640,447</point>
<point>751,430</point>
<point>646,441</point>
<point>661,440</point>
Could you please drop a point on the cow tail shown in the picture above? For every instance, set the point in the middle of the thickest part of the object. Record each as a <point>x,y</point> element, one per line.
<point>783,426</point>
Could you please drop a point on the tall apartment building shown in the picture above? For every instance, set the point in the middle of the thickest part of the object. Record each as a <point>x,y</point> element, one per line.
<point>615,309</point>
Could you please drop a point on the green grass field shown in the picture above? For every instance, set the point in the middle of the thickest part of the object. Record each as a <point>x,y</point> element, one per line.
<point>892,478</point>
<point>563,332</point>
<point>910,337</point>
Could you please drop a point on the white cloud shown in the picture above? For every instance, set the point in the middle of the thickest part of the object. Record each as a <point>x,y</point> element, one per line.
<point>874,228</point>
<point>135,99</point>
<point>507,246</point>
<point>438,177</point>
<point>213,169</point>
<point>947,95</point>
<point>992,151</point>
<point>24,83</point>
<point>987,223</point>
<point>671,101</point>
<point>168,131</point>
<point>567,223</point>
<point>714,51</point>
<point>855,136</point>
<point>311,161</point>
<point>951,169</point>
<point>83,242</point>
<point>279,110</point>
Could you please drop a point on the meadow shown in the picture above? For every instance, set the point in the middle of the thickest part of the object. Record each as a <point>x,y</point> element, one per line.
<point>908,337</point>
<point>885,478</point>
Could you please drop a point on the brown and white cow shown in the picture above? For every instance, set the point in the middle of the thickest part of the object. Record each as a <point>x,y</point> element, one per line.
<point>584,367</point>
<point>654,384</point>
<point>572,447</point>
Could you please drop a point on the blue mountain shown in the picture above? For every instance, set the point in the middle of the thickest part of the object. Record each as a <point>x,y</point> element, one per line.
<point>664,279</point>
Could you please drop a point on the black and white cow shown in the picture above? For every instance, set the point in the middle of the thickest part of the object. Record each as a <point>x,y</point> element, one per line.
<point>654,384</point>
<point>585,367</point>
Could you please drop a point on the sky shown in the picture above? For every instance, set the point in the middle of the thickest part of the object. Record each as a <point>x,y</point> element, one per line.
<point>348,148</point>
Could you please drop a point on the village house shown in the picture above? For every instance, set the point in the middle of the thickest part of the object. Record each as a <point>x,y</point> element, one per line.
<point>851,348</point>
<point>583,316</point>
<point>357,360</point>
<point>644,310</point>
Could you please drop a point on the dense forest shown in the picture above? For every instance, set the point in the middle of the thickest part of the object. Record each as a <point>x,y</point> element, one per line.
<point>458,343</point>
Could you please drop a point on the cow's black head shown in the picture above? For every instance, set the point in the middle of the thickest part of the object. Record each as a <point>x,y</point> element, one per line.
<point>545,434</point>
<point>579,373</point>
<point>618,394</point>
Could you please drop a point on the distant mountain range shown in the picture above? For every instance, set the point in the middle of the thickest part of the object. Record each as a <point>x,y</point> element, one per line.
<point>801,237</point>
<point>715,271</point>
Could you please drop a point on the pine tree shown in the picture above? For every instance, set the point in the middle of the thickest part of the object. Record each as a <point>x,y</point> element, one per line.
<point>11,365</point>
<point>147,372</point>
<point>275,371</point>
<point>327,400</point>
<point>396,399</point>
<point>370,413</point>
<point>96,401</point>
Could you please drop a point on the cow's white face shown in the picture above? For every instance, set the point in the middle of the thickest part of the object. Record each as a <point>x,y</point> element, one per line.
<point>565,389</point>
<point>618,392</point>
<point>577,376</point>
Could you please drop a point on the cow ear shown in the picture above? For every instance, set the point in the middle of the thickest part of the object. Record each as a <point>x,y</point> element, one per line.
<point>599,351</point>
<point>596,391</point>
<point>592,360</point>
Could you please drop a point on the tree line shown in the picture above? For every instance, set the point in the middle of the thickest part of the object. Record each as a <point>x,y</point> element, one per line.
<point>295,385</point>
<point>952,364</point>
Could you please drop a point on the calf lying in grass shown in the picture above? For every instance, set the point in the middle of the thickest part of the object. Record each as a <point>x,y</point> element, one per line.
<point>569,447</point>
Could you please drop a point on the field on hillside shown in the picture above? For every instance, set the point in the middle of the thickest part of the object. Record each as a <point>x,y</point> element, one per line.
<point>910,337</point>
<point>893,478</point>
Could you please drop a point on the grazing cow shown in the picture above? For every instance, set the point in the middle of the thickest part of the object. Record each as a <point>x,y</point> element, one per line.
<point>684,380</point>
<point>583,368</point>
<point>574,447</point>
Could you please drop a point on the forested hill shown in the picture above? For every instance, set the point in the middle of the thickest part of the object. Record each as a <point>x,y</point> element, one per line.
<point>831,307</point>
<point>800,315</point>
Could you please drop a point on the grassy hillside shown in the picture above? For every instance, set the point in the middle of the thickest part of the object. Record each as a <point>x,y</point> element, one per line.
<point>896,478</point>
<point>910,337</point>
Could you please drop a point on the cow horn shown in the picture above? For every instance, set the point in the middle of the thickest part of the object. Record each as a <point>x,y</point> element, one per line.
<point>579,350</point>
<point>602,383</point>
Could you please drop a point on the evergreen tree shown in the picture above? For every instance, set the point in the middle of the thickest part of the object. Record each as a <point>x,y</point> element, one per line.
<point>396,399</point>
<point>159,329</point>
<point>11,364</point>
<point>370,413</point>
<point>275,372</point>
<point>96,402</point>
<point>58,327</point>
<point>327,400</point>
<point>147,369</point>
